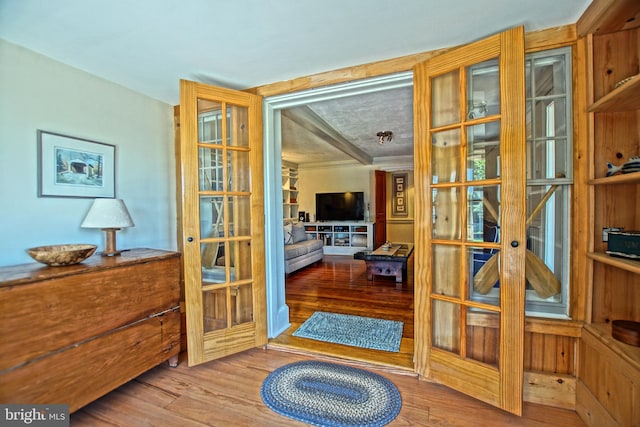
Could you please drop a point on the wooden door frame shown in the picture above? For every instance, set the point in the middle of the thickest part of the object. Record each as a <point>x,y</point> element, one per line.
<point>380,197</point>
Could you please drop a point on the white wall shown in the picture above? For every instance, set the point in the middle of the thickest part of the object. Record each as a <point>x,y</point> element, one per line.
<point>333,179</point>
<point>39,93</point>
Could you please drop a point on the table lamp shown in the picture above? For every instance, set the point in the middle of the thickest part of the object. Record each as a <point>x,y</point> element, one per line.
<point>110,215</point>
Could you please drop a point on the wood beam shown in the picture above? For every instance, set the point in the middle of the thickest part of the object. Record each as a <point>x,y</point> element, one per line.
<point>310,121</point>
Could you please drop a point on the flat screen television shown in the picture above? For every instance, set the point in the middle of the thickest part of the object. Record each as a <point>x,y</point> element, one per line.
<point>347,206</point>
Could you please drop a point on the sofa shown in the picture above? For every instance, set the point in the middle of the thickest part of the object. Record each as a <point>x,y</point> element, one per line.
<point>300,249</point>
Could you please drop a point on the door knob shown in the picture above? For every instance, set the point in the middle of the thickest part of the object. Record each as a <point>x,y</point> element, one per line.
<point>514,244</point>
<point>189,239</point>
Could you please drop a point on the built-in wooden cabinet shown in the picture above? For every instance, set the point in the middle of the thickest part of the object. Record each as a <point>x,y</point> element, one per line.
<point>608,386</point>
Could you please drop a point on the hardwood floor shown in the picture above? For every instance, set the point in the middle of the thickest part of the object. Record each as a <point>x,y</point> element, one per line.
<point>339,284</point>
<point>226,392</point>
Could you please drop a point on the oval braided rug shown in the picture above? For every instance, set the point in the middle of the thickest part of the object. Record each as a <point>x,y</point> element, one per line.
<point>329,394</point>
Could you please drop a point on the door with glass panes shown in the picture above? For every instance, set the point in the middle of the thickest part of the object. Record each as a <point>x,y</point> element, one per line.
<point>469,166</point>
<point>222,220</point>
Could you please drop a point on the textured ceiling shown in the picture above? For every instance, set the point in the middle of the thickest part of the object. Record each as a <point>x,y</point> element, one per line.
<point>358,119</point>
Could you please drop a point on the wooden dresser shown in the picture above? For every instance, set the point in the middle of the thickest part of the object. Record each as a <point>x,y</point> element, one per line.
<point>72,334</point>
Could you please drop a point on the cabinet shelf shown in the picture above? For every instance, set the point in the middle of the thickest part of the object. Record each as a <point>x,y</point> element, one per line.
<point>626,178</point>
<point>628,353</point>
<point>626,97</point>
<point>622,263</point>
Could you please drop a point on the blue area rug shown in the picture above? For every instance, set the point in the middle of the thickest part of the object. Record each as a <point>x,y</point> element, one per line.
<point>365,332</point>
<point>329,394</point>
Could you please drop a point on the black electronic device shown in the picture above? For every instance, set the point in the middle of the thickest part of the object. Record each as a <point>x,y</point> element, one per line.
<point>347,206</point>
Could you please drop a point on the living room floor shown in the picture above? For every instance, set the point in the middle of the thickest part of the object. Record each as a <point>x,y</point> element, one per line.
<point>339,284</point>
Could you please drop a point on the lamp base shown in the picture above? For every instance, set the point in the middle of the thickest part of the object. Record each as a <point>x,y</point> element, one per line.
<point>110,249</point>
<point>114,253</point>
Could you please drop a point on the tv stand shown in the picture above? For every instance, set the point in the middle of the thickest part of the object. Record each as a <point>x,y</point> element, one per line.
<point>342,238</point>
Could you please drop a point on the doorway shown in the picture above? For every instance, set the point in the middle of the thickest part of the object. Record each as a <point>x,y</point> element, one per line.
<point>277,309</point>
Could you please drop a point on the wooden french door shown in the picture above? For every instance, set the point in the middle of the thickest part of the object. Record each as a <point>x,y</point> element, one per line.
<point>222,220</point>
<point>470,211</point>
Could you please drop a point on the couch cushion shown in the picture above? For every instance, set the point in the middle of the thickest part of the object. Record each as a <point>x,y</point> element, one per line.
<point>299,234</point>
<point>301,248</point>
<point>288,234</point>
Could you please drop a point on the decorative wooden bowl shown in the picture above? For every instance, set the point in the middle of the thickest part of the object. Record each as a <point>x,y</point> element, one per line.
<point>59,255</point>
<point>626,331</point>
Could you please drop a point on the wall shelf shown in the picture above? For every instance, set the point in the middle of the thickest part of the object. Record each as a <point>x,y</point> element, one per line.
<point>626,97</point>
<point>622,263</point>
<point>625,178</point>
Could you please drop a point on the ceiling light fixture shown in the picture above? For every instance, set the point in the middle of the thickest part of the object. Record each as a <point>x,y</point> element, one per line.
<point>384,136</point>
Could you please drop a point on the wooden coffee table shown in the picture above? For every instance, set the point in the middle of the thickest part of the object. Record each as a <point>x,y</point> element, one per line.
<point>387,262</point>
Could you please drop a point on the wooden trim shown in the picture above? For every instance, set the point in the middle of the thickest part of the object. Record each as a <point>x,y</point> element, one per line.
<point>608,16</point>
<point>580,219</point>
<point>536,40</point>
<point>558,391</point>
<point>512,259</point>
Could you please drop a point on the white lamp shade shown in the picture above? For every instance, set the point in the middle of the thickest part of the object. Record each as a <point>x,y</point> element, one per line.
<point>107,213</point>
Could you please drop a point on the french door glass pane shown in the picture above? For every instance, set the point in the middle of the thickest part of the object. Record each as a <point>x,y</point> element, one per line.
<point>209,122</point>
<point>483,151</point>
<point>214,304</point>
<point>446,270</point>
<point>445,333</point>
<point>211,167</point>
<point>445,102</point>
<point>238,125</point>
<point>483,90</point>
<point>446,213</point>
<point>239,172</point>
<point>483,336</point>
<point>240,260</point>
<point>484,269</point>
<point>483,213</point>
<point>445,156</point>
<point>211,216</point>
<point>213,270</point>
<point>239,216</point>
<point>242,304</point>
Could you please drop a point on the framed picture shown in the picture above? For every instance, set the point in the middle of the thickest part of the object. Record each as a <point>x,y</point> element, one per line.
<point>399,185</point>
<point>75,167</point>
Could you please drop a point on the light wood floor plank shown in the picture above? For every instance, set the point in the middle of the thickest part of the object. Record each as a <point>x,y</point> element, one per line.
<point>226,393</point>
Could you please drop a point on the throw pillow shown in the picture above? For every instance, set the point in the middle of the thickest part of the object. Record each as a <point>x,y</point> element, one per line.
<point>299,235</point>
<point>288,234</point>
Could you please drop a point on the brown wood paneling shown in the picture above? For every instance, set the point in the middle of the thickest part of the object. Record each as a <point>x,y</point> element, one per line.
<point>66,305</point>
<point>80,374</point>
<point>71,334</point>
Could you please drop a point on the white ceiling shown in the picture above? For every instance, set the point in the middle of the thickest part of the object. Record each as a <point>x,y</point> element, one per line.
<point>149,45</point>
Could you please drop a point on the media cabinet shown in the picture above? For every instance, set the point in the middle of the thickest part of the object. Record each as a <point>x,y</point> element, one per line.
<point>342,238</point>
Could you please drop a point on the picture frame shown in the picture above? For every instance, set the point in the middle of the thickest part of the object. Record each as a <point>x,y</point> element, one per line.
<point>399,186</point>
<point>69,166</point>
